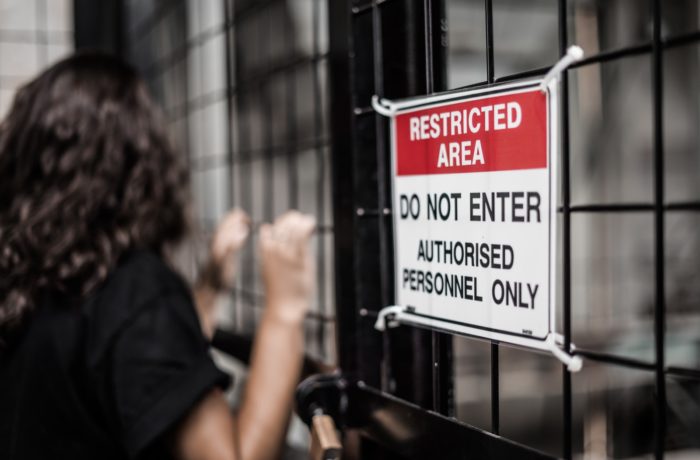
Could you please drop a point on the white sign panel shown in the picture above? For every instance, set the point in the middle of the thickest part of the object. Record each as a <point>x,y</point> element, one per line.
<point>474,218</point>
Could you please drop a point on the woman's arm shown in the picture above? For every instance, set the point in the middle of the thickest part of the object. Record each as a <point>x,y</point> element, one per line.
<point>209,432</point>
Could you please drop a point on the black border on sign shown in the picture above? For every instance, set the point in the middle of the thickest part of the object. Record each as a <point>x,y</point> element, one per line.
<point>474,94</point>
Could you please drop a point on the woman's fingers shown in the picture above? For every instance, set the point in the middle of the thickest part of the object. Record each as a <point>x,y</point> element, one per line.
<point>237,225</point>
<point>294,227</point>
<point>307,226</point>
<point>286,266</point>
<point>231,234</point>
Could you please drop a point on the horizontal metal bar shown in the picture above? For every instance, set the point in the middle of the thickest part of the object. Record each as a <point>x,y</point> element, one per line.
<point>12,81</point>
<point>258,78</point>
<point>256,301</point>
<point>358,111</point>
<point>208,162</point>
<point>605,56</point>
<point>233,344</point>
<point>614,54</point>
<point>364,212</point>
<point>617,360</point>
<point>683,206</point>
<point>197,103</point>
<point>595,59</point>
<point>321,317</point>
<point>35,36</point>
<point>632,207</point>
<point>481,84</point>
<point>240,346</point>
<point>216,160</point>
<point>525,74</point>
<point>362,8</point>
<point>614,359</point>
<point>159,66</point>
<point>411,431</point>
<point>181,51</point>
<point>370,313</point>
<point>211,225</point>
<point>609,207</point>
<point>682,39</point>
<point>249,155</point>
<point>676,371</point>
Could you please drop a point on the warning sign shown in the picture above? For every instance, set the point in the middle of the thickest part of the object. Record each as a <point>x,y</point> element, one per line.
<point>474,195</point>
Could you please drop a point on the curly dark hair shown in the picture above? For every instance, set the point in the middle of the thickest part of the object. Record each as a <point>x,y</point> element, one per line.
<point>87,173</point>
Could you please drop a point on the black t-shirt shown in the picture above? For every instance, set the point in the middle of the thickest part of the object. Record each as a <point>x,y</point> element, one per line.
<point>108,378</point>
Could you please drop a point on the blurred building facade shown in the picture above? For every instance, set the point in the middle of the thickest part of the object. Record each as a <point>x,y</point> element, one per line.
<point>33,34</point>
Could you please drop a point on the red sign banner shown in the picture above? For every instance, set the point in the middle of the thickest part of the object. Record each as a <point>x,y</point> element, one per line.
<point>494,133</point>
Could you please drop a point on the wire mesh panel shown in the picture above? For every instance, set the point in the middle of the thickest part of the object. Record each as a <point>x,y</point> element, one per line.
<point>244,87</point>
<point>280,158</point>
<point>628,201</point>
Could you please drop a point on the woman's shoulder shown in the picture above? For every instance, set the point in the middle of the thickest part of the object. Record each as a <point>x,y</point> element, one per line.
<point>141,274</point>
<point>140,281</point>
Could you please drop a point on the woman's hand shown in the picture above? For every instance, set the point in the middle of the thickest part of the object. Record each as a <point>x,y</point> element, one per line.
<point>278,350</point>
<point>219,273</point>
<point>230,236</point>
<point>287,265</point>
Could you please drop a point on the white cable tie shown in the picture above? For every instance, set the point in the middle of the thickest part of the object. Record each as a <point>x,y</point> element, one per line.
<point>573,363</point>
<point>389,316</point>
<point>383,106</point>
<point>573,54</point>
<point>560,341</point>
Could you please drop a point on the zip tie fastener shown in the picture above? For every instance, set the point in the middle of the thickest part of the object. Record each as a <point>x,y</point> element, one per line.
<point>573,54</point>
<point>383,106</point>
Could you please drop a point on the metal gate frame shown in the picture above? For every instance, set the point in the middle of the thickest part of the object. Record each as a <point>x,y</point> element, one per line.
<point>409,60</point>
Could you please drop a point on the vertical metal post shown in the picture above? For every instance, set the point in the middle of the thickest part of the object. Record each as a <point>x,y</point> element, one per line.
<point>186,115</point>
<point>264,86</point>
<point>566,234</point>
<point>381,141</point>
<point>42,32</point>
<point>228,49</point>
<point>98,25</point>
<point>382,200</point>
<point>243,163</point>
<point>435,80</point>
<point>436,340</point>
<point>230,111</point>
<point>341,69</point>
<point>659,278</point>
<point>428,31</point>
<point>291,147</point>
<point>321,173</point>
<point>495,367</point>
<point>488,15</point>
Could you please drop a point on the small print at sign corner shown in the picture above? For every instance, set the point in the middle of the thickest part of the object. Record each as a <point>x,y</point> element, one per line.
<point>474,190</point>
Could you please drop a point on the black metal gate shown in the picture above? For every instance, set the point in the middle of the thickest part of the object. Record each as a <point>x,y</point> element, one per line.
<point>401,392</point>
<point>396,49</point>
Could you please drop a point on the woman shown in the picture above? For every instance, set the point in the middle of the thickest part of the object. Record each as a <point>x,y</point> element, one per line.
<point>102,353</point>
